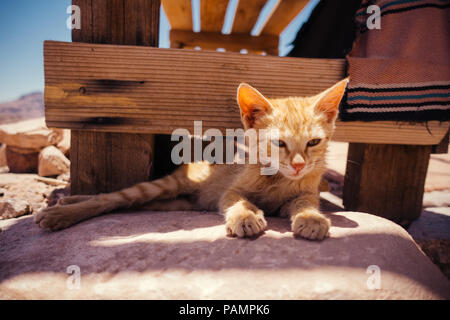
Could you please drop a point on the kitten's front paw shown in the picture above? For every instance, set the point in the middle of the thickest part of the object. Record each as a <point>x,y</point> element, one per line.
<point>244,222</point>
<point>310,225</point>
<point>53,218</point>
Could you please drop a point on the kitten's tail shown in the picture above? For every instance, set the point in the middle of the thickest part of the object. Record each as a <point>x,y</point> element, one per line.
<point>77,208</point>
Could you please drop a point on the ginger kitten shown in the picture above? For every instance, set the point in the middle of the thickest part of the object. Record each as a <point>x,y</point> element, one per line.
<point>240,192</point>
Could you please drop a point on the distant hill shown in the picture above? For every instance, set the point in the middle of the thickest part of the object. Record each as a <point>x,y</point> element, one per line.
<point>26,107</point>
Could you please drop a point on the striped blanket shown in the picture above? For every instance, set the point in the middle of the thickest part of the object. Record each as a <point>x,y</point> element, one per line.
<point>402,70</point>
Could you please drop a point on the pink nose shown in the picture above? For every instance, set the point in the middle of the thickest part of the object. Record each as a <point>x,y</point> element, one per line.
<point>298,166</point>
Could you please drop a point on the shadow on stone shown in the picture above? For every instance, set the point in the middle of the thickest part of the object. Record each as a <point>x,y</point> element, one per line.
<point>189,243</point>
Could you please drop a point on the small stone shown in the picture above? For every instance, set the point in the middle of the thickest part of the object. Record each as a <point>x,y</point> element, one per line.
<point>12,208</point>
<point>4,169</point>
<point>30,134</point>
<point>52,162</point>
<point>64,177</point>
<point>21,160</point>
<point>3,161</point>
<point>64,144</point>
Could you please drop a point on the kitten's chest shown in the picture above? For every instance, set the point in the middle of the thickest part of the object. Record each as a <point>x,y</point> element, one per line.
<point>271,199</point>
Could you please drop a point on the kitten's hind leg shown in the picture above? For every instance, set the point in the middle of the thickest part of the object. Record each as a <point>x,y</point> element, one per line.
<point>63,216</point>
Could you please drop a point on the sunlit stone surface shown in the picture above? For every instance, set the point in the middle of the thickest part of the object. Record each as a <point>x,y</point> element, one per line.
<point>186,255</point>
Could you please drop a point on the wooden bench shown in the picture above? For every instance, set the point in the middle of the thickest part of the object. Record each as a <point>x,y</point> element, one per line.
<point>116,96</point>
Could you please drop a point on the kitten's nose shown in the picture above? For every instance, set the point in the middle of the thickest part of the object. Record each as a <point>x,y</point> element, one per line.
<point>297,166</point>
<point>298,163</point>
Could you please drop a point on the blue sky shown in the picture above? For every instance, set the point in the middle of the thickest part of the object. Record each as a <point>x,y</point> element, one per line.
<point>25,24</point>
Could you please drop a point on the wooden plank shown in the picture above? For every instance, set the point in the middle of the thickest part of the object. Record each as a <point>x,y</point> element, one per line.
<point>179,13</point>
<point>212,15</point>
<point>247,14</point>
<point>154,90</point>
<point>412,134</point>
<point>104,162</point>
<point>391,132</point>
<point>284,13</point>
<point>230,42</point>
<point>386,180</point>
<point>442,147</point>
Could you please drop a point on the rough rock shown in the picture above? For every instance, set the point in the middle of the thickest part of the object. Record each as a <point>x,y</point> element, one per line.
<point>21,160</point>
<point>52,162</point>
<point>3,161</point>
<point>64,144</point>
<point>27,187</point>
<point>187,255</point>
<point>12,208</point>
<point>64,177</point>
<point>30,134</point>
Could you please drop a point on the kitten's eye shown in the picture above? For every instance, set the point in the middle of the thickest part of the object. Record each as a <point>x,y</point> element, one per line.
<point>279,143</point>
<point>313,142</point>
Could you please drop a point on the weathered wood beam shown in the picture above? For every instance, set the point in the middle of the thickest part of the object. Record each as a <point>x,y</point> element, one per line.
<point>442,147</point>
<point>212,15</point>
<point>103,161</point>
<point>179,13</point>
<point>386,180</point>
<point>247,14</point>
<point>154,90</point>
<point>283,14</point>
<point>230,42</point>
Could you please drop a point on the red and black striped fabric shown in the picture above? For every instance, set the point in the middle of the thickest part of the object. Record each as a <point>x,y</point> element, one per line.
<point>402,70</point>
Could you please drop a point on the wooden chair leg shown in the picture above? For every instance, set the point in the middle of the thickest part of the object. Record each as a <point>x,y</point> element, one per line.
<point>442,147</point>
<point>105,162</point>
<point>386,180</point>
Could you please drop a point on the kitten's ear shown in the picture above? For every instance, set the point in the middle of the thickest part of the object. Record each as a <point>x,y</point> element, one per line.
<point>330,99</point>
<point>252,104</point>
